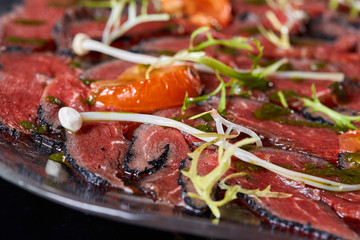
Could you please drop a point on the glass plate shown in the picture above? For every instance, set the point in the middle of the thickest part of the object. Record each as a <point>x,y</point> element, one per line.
<point>21,165</point>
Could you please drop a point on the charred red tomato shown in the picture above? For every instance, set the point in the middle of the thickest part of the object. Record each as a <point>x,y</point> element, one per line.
<point>132,91</point>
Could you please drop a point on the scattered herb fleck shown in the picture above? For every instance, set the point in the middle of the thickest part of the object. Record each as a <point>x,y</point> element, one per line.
<point>30,22</point>
<point>54,100</point>
<point>30,126</point>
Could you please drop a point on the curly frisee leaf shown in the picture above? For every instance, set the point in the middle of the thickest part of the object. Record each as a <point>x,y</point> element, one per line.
<point>204,185</point>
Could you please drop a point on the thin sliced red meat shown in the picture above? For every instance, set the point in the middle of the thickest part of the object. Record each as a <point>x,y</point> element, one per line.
<point>64,91</point>
<point>97,152</point>
<point>23,77</point>
<point>155,156</point>
<point>319,142</point>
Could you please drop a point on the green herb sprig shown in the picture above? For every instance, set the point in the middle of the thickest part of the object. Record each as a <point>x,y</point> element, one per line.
<point>339,119</point>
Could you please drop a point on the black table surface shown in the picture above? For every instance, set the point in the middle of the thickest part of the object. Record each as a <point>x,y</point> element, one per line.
<point>24,215</point>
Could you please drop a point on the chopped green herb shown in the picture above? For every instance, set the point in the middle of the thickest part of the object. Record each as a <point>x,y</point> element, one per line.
<point>30,22</point>
<point>54,100</point>
<point>318,65</point>
<point>297,79</point>
<point>34,41</point>
<point>90,101</point>
<point>30,126</point>
<point>205,128</point>
<point>88,81</point>
<point>75,64</point>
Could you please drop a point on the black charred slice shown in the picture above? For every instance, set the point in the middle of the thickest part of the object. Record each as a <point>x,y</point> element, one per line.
<point>155,156</point>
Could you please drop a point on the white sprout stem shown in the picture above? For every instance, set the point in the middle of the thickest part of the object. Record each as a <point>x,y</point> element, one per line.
<point>115,28</point>
<point>133,22</point>
<point>331,76</point>
<point>230,126</point>
<point>82,44</point>
<point>69,115</point>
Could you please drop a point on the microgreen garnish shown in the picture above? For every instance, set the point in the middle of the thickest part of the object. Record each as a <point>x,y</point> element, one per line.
<point>339,119</point>
<point>236,42</point>
<point>253,78</point>
<point>54,100</point>
<point>115,27</point>
<point>282,99</point>
<point>204,184</point>
<point>292,16</point>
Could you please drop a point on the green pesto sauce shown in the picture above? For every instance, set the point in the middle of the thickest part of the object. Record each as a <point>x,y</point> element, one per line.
<point>32,41</point>
<point>275,113</point>
<point>29,22</point>
<point>205,128</point>
<point>54,100</point>
<point>32,127</point>
<point>242,166</point>
<point>269,111</point>
<point>288,94</point>
<point>349,176</point>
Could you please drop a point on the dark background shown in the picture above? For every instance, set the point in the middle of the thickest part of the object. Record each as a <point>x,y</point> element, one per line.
<point>24,215</point>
